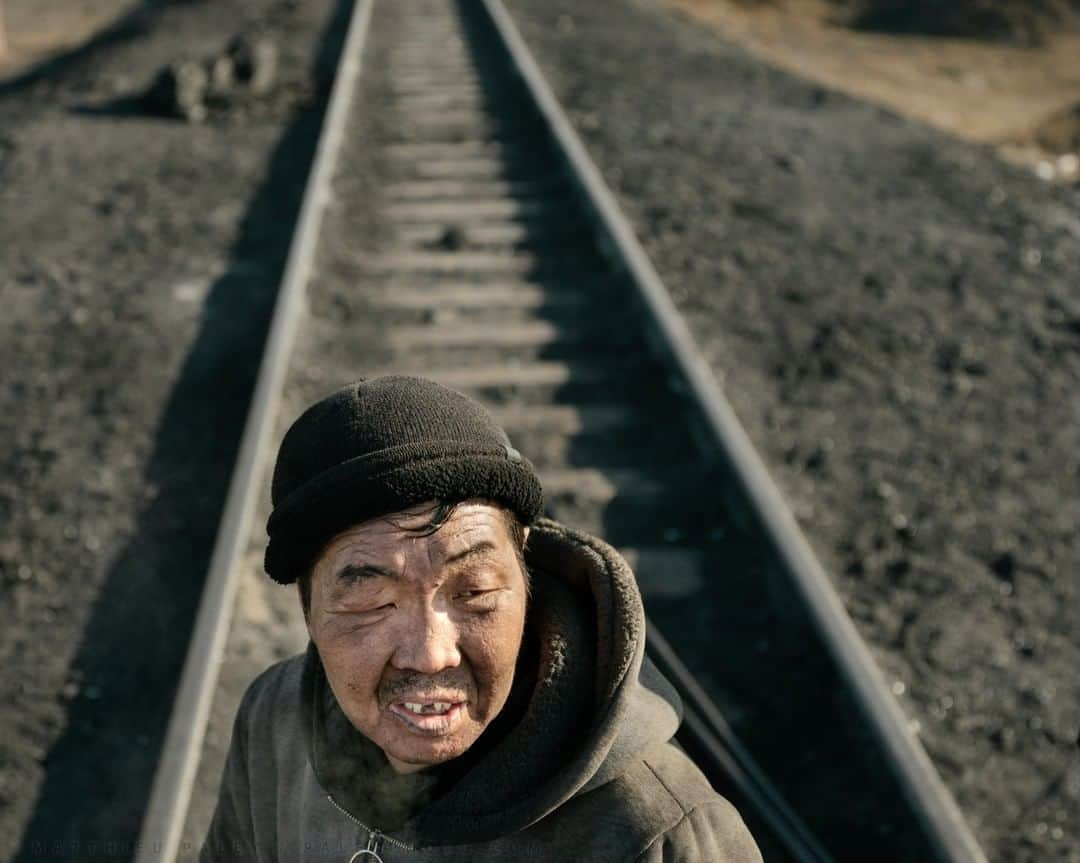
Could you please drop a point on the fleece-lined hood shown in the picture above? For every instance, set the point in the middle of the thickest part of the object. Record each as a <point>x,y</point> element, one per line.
<point>578,765</point>
<point>592,704</point>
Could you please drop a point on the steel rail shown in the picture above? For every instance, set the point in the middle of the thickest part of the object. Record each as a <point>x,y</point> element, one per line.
<point>924,789</point>
<point>163,822</point>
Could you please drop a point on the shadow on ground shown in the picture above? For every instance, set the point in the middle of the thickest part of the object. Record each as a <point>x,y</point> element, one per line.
<point>99,772</point>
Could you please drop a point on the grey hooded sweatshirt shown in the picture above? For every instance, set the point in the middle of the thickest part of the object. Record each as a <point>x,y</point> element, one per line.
<point>579,767</point>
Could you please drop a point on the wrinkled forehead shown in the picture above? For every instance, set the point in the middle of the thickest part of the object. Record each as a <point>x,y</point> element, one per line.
<point>399,537</point>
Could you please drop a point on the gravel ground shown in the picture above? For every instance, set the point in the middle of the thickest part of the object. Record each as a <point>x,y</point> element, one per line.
<point>141,259</point>
<point>142,256</point>
<point>894,316</point>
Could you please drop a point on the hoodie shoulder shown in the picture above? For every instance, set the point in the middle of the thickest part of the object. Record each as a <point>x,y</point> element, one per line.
<point>709,827</point>
<point>269,718</point>
<point>661,809</point>
<point>277,684</point>
<point>251,766</point>
<point>711,833</point>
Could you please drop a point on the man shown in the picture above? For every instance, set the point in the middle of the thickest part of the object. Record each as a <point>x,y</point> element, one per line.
<point>475,688</point>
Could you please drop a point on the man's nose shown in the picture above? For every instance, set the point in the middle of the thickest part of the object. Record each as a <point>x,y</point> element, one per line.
<point>429,643</point>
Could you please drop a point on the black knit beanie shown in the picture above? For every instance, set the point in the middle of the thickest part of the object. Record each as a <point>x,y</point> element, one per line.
<point>379,446</point>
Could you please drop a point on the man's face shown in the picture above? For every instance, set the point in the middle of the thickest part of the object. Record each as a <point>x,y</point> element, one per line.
<point>418,634</point>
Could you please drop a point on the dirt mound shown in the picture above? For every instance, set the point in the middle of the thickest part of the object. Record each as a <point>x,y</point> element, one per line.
<point>190,88</point>
<point>1060,132</point>
<point>1024,21</point>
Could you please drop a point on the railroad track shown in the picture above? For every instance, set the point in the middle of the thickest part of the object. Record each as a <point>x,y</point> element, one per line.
<point>454,227</point>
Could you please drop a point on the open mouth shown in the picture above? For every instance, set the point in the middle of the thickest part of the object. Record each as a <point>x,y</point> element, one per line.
<point>428,717</point>
<point>428,709</point>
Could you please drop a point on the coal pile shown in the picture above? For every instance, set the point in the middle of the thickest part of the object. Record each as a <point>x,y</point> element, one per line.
<point>1021,21</point>
<point>191,89</point>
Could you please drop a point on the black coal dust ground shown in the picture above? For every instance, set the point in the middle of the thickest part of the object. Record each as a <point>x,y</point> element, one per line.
<point>895,317</point>
<point>141,257</point>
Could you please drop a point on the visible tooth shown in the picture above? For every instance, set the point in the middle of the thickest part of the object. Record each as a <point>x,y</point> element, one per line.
<point>415,708</point>
<point>442,706</point>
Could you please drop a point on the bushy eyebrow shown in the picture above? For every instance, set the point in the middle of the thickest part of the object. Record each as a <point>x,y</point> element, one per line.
<point>481,549</point>
<point>351,573</point>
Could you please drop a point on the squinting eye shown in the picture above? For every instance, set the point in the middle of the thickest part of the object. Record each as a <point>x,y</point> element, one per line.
<point>379,609</point>
<point>474,594</point>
